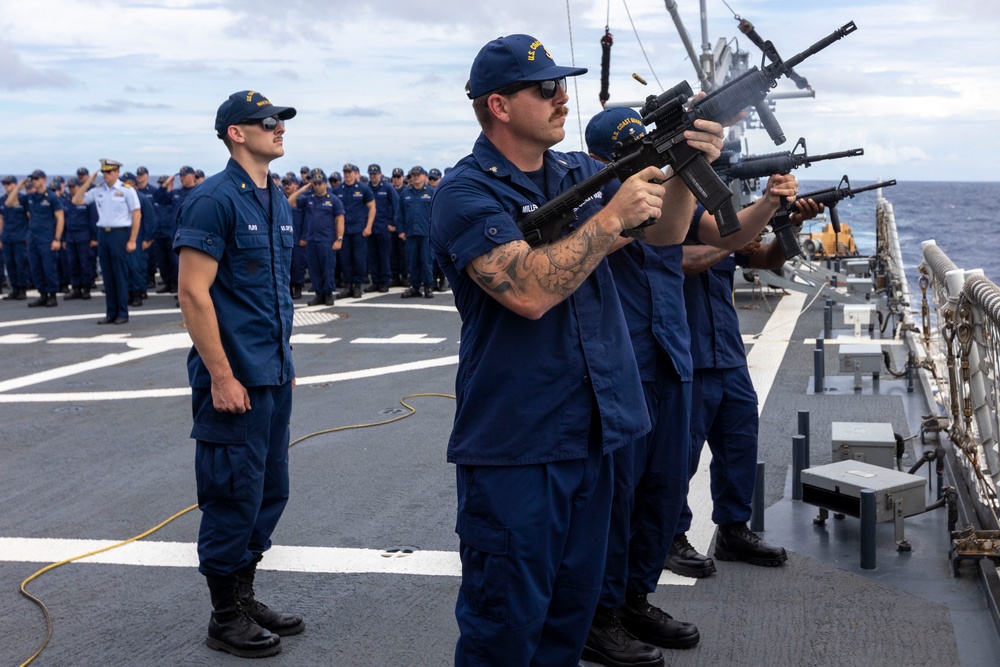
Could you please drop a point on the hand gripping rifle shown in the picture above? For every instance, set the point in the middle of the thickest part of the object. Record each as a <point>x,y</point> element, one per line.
<point>666,146</point>
<point>781,224</point>
<point>762,166</point>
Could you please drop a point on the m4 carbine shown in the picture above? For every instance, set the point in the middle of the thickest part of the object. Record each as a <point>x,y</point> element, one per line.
<point>665,145</point>
<point>733,167</point>
<point>781,224</point>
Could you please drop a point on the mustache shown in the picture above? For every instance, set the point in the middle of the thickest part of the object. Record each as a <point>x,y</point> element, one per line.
<point>559,111</point>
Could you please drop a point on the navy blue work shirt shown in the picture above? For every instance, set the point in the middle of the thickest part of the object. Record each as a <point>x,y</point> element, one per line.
<point>650,285</point>
<point>526,388</point>
<point>227,219</point>
<point>41,208</point>
<point>355,199</point>
<point>15,222</point>
<point>319,216</point>
<point>413,217</point>
<point>81,222</point>
<point>716,341</point>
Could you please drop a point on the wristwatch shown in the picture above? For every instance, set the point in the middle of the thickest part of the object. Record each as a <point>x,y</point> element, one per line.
<point>340,238</point>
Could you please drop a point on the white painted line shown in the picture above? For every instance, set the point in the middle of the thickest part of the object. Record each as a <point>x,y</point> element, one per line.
<point>89,316</point>
<point>20,339</point>
<point>74,397</point>
<point>404,306</point>
<point>332,560</point>
<point>851,340</point>
<point>400,339</point>
<point>763,361</point>
<point>311,339</point>
<point>74,369</point>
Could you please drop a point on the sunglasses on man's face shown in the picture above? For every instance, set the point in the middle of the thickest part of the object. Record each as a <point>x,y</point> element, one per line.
<point>269,123</point>
<point>547,89</point>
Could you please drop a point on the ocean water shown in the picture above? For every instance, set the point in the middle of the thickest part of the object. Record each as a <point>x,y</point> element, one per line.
<point>963,218</point>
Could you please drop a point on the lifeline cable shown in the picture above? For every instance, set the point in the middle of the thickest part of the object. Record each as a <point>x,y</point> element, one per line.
<point>52,566</point>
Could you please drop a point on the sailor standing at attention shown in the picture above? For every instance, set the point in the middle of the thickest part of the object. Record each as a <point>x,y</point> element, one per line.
<point>118,217</point>
<point>543,338</point>
<point>234,240</point>
<point>14,238</point>
<point>45,228</point>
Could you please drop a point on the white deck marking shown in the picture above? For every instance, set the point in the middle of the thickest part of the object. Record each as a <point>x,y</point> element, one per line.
<point>279,558</point>
<point>90,316</point>
<point>72,397</point>
<point>20,339</point>
<point>400,339</point>
<point>852,340</point>
<point>763,361</point>
<point>311,339</point>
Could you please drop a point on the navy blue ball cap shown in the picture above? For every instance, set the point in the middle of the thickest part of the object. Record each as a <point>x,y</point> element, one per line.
<point>83,171</point>
<point>247,105</point>
<point>38,173</point>
<point>317,175</point>
<point>7,180</point>
<point>127,176</point>
<point>398,171</point>
<point>185,170</point>
<point>610,127</point>
<point>335,176</point>
<point>434,173</point>
<point>141,170</point>
<point>73,181</point>
<point>417,170</point>
<point>374,169</point>
<point>512,59</point>
<point>56,180</point>
<point>198,173</point>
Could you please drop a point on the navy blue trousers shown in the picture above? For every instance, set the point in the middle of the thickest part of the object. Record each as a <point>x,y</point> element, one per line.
<point>115,269</point>
<point>15,258</point>
<point>44,266</point>
<point>137,268</point>
<point>166,259</point>
<point>397,257</point>
<point>724,412</point>
<point>355,257</point>
<point>378,256</point>
<point>241,470</point>
<point>418,258</point>
<point>81,265</point>
<point>532,544</point>
<point>299,264</point>
<point>651,482</point>
<point>322,260</point>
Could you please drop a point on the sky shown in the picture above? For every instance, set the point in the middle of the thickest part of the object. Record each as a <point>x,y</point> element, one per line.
<point>915,85</point>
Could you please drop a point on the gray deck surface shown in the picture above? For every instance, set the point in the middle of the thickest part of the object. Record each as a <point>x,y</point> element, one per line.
<point>111,469</point>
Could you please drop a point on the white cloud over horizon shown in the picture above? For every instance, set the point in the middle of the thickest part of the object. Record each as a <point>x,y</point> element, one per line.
<point>384,82</point>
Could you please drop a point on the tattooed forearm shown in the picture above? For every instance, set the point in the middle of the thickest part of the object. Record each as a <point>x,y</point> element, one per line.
<point>699,258</point>
<point>552,272</point>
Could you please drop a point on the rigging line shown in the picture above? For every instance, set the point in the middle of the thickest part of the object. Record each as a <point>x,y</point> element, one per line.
<point>576,86</point>
<point>641,47</point>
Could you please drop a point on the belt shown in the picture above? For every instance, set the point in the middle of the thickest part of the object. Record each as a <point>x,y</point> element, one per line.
<point>110,229</point>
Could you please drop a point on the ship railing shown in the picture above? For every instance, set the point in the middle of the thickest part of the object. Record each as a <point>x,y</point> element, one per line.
<point>962,339</point>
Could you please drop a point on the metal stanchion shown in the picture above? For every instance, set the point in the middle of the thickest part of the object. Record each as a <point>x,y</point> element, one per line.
<point>867,529</point>
<point>757,503</point>
<point>798,465</point>
<point>804,432</point>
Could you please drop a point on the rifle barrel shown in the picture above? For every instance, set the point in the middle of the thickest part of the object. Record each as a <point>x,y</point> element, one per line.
<point>839,33</point>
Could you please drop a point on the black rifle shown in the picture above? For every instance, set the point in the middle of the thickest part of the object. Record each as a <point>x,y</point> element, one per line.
<point>731,168</point>
<point>666,146</point>
<point>781,224</point>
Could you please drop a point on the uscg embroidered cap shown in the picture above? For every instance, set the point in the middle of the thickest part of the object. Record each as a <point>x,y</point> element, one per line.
<point>317,176</point>
<point>141,170</point>
<point>511,59</point>
<point>611,126</point>
<point>185,170</point>
<point>417,170</point>
<point>7,180</point>
<point>434,174</point>
<point>398,171</point>
<point>247,105</point>
<point>38,173</point>
<point>374,169</point>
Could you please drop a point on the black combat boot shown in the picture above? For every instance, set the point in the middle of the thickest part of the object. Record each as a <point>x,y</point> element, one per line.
<point>345,293</point>
<point>85,293</point>
<point>374,287</point>
<point>280,623</point>
<point>328,299</point>
<point>75,294</point>
<point>317,300</point>
<point>356,290</point>
<point>410,293</point>
<point>684,559</point>
<point>737,542</point>
<point>43,297</point>
<point>51,301</point>
<point>652,624</point>
<point>608,643</point>
<point>231,629</point>
<point>296,291</point>
<point>165,289</point>
<point>428,294</point>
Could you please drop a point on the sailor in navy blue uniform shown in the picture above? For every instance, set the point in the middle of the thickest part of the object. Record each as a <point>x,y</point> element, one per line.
<point>45,211</point>
<point>380,241</point>
<point>143,187</point>
<point>547,385</point>
<point>724,402</point>
<point>80,238</point>
<point>119,215</point>
<point>359,218</point>
<point>167,194</point>
<point>323,231</point>
<point>413,227</point>
<point>14,239</point>
<point>234,241</point>
<point>139,257</point>
<point>397,252</point>
<point>161,252</point>
<point>299,263</point>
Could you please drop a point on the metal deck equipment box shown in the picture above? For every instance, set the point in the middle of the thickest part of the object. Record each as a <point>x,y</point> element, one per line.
<point>872,443</point>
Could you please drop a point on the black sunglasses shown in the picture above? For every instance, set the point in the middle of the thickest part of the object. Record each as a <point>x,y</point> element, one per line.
<point>269,123</point>
<point>547,89</point>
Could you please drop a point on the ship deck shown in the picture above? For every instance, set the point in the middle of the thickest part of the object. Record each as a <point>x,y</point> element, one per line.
<point>95,449</point>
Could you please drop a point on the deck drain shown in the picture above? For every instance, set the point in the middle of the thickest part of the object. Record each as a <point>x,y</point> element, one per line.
<point>392,411</point>
<point>398,552</point>
<point>68,408</point>
<point>80,383</point>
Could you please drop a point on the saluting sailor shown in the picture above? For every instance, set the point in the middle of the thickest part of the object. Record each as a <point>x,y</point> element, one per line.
<point>118,216</point>
<point>45,228</point>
